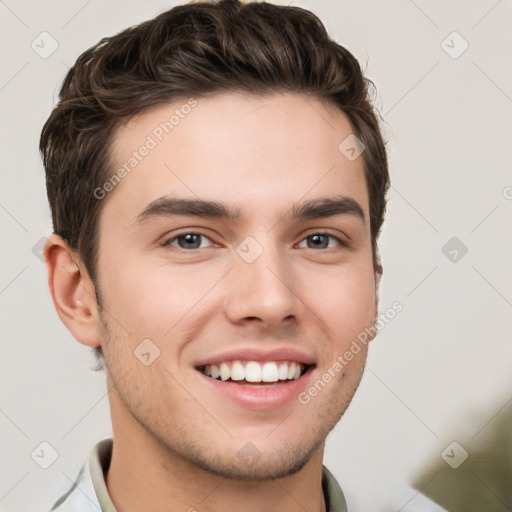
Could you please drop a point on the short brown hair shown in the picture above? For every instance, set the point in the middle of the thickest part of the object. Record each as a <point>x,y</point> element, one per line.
<point>196,49</point>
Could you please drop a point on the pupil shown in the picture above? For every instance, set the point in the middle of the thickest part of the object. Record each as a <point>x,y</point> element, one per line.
<point>318,238</point>
<point>191,239</point>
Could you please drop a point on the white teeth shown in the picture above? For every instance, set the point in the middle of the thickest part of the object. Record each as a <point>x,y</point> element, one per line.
<point>283,371</point>
<point>237,371</point>
<point>252,371</point>
<point>224,371</point>
<point>269,372</point>
<point>291,371</point>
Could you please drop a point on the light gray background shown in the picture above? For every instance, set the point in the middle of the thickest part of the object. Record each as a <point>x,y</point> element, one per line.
<point>438,373</point>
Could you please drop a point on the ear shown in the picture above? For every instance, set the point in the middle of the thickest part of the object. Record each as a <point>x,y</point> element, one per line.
<point>72,291</point>
<point>378,276</point>
<point>372,328</point>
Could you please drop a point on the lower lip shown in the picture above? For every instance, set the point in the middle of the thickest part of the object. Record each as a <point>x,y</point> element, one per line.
<point>260,397</point>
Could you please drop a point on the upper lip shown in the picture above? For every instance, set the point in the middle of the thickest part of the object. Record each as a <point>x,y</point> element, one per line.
<point>258,354</point>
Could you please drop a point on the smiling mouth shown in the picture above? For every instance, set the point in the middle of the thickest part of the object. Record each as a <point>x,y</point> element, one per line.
<point>256,374</point>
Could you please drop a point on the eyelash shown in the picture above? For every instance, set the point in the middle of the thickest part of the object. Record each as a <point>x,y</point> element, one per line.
<point>322,233</point>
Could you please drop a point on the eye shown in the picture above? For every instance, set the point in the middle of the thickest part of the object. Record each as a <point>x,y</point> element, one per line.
<point>321,241</point>
<point>190,240</point>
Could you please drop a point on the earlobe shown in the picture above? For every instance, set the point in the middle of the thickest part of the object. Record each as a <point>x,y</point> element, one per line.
<point>72,291</point>
<point>378,277</point>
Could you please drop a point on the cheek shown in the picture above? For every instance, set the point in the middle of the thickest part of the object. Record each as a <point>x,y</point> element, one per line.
<point>345,301</point>
<point>152,301</point>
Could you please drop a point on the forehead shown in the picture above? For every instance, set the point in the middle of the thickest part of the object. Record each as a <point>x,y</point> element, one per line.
<point>252,151</point>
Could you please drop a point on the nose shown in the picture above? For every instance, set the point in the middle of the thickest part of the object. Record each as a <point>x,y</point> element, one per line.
<point>264,292</point>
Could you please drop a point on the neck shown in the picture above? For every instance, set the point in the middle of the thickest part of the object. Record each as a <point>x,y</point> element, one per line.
<point>144,475</point>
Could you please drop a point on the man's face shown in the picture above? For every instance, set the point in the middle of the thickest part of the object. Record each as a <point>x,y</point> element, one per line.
<point>274,286</point>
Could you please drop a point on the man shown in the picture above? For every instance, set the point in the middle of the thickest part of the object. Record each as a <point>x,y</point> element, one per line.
<point>217,182</point>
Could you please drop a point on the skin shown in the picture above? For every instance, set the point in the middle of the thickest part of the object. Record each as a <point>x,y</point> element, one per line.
<point>176,441</point>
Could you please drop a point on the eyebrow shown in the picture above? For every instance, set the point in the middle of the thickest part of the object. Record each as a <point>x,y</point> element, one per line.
<point>315,209</point>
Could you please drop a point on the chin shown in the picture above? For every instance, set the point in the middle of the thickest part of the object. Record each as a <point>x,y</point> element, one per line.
<point>251,463</point>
